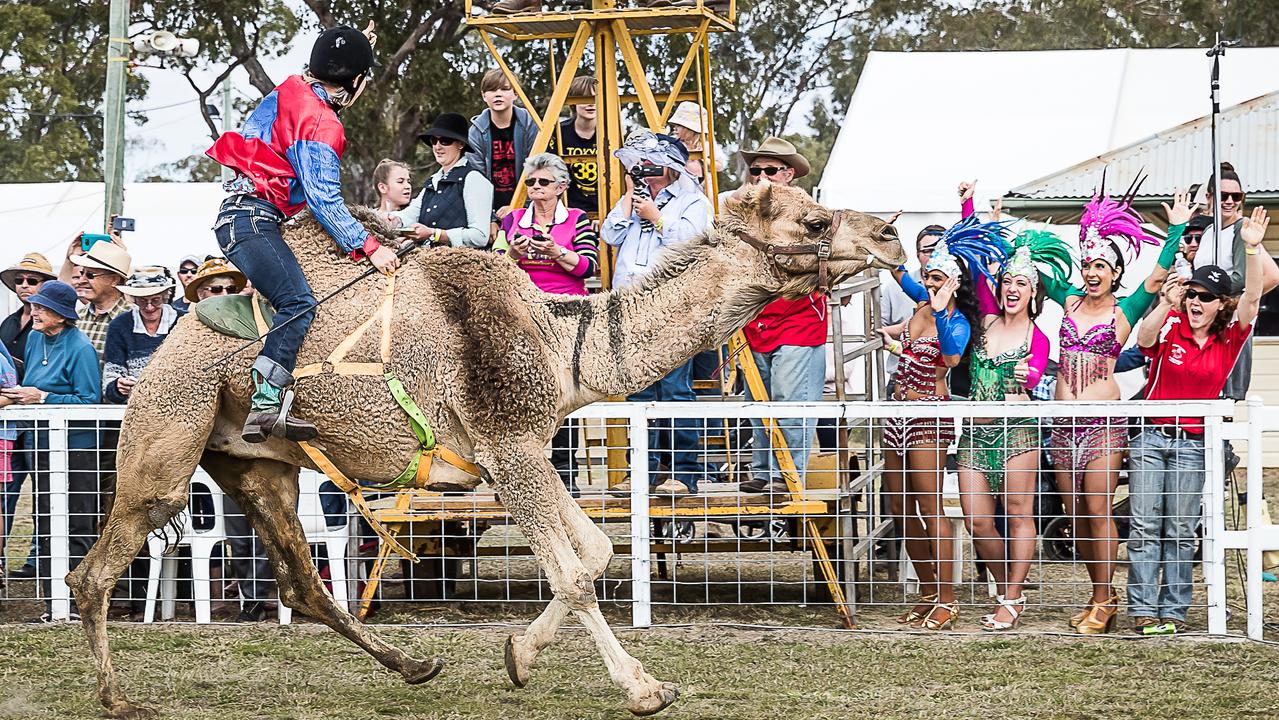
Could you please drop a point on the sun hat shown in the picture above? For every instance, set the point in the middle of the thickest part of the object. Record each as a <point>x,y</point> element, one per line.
<point>31,263</point>
<point>449,125</point>
<point>778,148</point>
<point>146,281</point>
<point>106,256</point>
<point>690,115</point>
<point>212,268</point>
<point>58,297</point>
<point>661,150</point>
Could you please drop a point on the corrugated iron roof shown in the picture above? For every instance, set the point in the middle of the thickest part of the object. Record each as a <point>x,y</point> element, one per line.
<point>1179,157</point>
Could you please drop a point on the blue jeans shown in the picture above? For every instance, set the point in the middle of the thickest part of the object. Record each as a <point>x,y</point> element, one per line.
<point>1165,482</point>
<point>791,373</point>
<point>248,231</point>
<point>678,438</point>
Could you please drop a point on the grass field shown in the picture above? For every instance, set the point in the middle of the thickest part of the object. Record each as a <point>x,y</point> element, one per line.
<point>227,673</point>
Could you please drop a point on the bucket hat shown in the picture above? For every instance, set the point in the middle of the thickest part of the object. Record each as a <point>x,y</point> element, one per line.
<point>147,281</point>
<point>58,297</point>
<point>212,268</point>
<point>776,147</point>
<point>449,125</point>
<point>30,263</point>
<point>106,256</point>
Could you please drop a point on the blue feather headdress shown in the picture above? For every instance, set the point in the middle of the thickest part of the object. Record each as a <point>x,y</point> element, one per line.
<point>977,243</point>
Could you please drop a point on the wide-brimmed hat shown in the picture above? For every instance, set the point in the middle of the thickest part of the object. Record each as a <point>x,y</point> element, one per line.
<point>449,125</point>
<point>690,115</point>
<point>146,281</point>
<point>209,270</point>
<point>106,256</point>
<point>661,150</point>
<point>31,263</point>
<point>58,297</point>
<point>776,147</point>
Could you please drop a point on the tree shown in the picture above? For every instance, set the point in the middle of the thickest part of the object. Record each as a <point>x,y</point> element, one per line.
<point>53,58</point>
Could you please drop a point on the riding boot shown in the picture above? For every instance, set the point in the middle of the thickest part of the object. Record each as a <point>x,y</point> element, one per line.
<point>270,405</point>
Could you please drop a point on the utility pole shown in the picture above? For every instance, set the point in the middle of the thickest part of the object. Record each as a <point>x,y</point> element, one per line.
<point>113,112</point>
<point>228,122</point>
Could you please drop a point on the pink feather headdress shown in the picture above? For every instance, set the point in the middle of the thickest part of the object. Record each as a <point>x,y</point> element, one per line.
<point>1105,220</point>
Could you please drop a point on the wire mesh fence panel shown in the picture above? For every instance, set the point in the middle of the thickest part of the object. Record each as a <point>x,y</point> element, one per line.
<point>923,515</point>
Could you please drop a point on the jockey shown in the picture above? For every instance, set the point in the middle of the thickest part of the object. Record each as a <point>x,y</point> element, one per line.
<point>286,158</point>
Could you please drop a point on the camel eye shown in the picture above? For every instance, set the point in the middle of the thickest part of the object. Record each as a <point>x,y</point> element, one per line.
<point>816,225</point>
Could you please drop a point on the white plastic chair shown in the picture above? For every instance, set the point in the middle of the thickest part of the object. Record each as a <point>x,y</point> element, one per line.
<point>162,575</point>
<point>336,540</point>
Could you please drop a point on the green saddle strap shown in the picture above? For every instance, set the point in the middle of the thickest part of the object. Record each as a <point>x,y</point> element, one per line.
<point>421,428</point>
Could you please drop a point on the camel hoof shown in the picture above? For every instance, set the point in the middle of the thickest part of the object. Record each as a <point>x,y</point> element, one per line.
<point>125,710</point>
<point>416,672</point>
<point>657,702</point>
<point>518,679</point>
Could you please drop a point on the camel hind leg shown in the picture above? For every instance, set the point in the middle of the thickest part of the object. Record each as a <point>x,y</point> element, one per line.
<point>595,550</point>
<point>267,492</point>
<point>529,486</point>
<point>153,473</point>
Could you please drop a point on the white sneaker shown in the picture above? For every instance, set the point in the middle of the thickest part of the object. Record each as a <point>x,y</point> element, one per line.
<point>671,487</point>
<point>622,488</point>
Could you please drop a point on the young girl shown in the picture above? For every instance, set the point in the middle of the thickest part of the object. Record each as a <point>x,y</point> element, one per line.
<point>998,459</point>
<point>8,378</point>
<point>915,449</point>
<point>1088,452</point>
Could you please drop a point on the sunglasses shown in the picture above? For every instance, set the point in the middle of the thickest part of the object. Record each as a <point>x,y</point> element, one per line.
<point>540,182</point>
<point>27,280</point>
<point>1237,197</point>
<point>1192,239</point>
<point>219,289</point>
<point>769,171</point>
<point>95,274</point>
<point>1200,295</point>
<point>446,142</point>
<point>186,271</point>
<point>152,301</point>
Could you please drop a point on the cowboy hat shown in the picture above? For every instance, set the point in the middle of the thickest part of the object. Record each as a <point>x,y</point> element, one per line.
<point>777,148</point>
<point>690,115</point>
<point>106,256</point>
<point>449,125</point>
<point>32,263</point>
<point>212,268</point>
<point>146,281</point>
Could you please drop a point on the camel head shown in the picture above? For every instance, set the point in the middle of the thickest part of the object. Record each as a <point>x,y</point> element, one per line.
<point>781,228</point>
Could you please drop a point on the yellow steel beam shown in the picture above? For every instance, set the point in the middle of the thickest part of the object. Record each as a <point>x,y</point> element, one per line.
<point>708,102</point>
<point>693,51</point>
<point>636,69</point>
<point>510,75</point>
<point>553,108</point>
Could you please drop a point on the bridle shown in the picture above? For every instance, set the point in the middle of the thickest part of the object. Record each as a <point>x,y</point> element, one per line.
<point>821,249</point>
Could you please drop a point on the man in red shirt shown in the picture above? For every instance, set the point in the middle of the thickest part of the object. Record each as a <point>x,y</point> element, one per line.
<point>788,340</point>
<point>1193,338</point>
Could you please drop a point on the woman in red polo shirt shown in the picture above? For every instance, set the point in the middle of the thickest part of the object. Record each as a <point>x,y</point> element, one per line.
<point>1193,338</point>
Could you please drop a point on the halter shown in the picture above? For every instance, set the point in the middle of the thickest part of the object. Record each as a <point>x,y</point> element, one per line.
<point>821,249</point>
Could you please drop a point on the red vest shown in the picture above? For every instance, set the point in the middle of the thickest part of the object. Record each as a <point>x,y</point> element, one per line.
<point>799,322</point>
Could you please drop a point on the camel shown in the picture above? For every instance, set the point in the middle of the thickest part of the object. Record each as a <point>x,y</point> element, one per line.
<point>495,364</point>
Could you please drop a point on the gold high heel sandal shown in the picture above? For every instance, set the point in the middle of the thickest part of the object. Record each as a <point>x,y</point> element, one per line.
<point>952,618</point>
<point>913,615</point>
<point>1079,616</point>
<point>1101,619</point>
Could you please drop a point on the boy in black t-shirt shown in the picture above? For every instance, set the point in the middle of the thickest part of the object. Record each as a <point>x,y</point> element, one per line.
<point>574,141</point>
<point>500,138</point>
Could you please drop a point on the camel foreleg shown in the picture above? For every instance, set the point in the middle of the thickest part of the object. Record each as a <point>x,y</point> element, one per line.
<point>595,550</point>
<point>267,492</point>
<point>529,486</point>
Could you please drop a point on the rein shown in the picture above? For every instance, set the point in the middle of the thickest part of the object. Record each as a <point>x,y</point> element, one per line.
<point>821,249</point>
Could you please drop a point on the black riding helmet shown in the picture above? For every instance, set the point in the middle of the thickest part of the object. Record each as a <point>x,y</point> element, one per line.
<point>340,55</point>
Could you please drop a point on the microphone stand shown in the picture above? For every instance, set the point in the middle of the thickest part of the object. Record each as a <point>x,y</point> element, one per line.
<point>1216,52</point>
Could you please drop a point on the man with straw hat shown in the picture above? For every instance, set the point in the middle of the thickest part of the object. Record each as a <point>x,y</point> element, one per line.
<point>24,279</point>
<point>106,265</point>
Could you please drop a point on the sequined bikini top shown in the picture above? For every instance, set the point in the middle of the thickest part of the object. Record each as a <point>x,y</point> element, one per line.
<point>992,377</point>
<point>1084,357</point>
<point>920,359</point>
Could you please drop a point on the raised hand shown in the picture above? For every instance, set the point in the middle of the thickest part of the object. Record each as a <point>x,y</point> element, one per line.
<point>1174,290</point>
<point>941,298</point>
<point>966,189</point>
<point>1254,227</point>
<point>372,36</point>
<point>1181,210</point>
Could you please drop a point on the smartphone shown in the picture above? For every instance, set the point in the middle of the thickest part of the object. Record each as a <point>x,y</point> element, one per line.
<point>88,240</point>
<point>123,224</point>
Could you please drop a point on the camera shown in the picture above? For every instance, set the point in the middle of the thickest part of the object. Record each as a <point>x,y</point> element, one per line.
<point>643,171</point>
<point>123,224</point>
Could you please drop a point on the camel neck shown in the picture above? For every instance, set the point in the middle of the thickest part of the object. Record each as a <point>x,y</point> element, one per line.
<point>625,340</point>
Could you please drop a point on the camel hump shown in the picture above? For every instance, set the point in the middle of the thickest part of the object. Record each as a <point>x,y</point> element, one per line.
<point>233,315</point>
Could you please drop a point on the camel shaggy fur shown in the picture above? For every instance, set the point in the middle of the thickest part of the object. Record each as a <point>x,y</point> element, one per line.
<point>494,363</point>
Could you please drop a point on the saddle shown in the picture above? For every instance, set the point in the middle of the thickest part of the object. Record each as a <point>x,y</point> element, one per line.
<point>249,318</point>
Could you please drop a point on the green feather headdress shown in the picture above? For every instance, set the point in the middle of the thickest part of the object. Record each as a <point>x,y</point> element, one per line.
<point>1034,251</point>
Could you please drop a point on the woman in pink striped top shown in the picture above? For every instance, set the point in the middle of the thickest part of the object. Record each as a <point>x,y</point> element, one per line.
<point>552,242</point>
